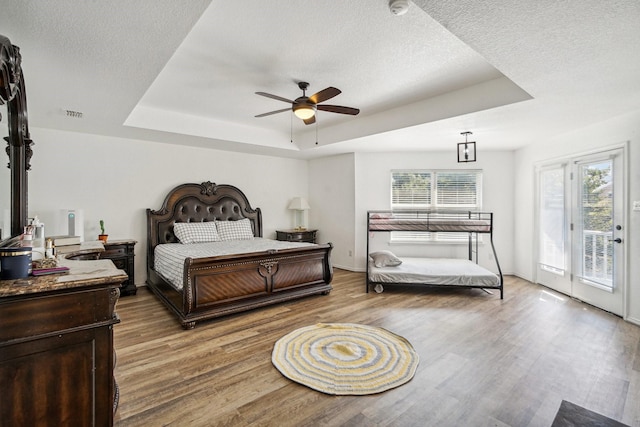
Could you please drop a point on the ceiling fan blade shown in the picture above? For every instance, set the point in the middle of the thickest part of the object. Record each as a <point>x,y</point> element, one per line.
<point>273,112</point>
<point>279,98</point>
<point>311,120</point>
<point>324,95</point>
<point>338,109</point>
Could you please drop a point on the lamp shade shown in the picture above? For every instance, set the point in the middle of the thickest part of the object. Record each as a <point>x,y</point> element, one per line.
<point>303,111</point>
<point>299,203</point>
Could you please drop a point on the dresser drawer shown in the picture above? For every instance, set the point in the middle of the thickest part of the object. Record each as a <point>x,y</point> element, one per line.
<point>42,314</point>
<point>114,252</point>
<point>121,263</point>
<point>308,236</point>
<point>292,237</point>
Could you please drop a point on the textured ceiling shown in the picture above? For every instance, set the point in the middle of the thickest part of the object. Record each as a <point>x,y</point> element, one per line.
<point>511,72</point>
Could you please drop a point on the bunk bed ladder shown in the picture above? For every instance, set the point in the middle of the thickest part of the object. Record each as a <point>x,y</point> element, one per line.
<point>366,280</point>
<point>473,234</point>
<point>495,256</point>
<point>473,251</point>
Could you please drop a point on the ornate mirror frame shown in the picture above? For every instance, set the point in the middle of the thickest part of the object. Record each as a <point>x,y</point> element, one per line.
<point>12,92</point>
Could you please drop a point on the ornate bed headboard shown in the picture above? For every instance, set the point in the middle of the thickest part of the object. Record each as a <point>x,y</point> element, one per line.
<point>198,203</point>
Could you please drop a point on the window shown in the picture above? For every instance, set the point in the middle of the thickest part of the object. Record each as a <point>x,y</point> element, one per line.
<point>434,189</point>
<point>552,219</point>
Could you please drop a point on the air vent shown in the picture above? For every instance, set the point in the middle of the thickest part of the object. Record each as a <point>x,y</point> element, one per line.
<point>73,114</point>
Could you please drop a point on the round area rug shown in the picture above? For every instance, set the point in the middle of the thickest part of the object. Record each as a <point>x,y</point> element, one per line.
<point>345,358</point>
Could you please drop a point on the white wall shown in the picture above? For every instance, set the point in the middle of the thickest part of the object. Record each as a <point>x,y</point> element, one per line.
<point>369,185</point>
<point>332,201</point>
<point>374,189</point>
<point>118,179</point>
<point>612,132</point>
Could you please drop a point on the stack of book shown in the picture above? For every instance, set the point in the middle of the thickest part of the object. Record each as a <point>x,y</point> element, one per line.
<point>65,240</point>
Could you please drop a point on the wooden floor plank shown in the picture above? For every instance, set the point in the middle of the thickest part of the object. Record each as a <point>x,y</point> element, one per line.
<point>483,361</point>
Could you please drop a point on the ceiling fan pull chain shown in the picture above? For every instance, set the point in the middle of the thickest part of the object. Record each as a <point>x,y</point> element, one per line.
<point>291,128</point>
<point>316,132</point>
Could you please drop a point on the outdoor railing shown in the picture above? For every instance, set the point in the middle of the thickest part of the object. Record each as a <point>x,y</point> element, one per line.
<point>597,257</point>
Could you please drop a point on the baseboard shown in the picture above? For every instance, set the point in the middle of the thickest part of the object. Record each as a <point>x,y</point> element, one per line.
<point>355,270</point>
<point>633,320</point>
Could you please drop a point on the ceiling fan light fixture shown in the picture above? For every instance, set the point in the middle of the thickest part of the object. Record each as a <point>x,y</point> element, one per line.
<point>304,111</point>
<point>305,107</point>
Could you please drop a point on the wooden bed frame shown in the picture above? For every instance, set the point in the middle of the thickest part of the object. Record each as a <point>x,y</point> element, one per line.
<point>221,285</point>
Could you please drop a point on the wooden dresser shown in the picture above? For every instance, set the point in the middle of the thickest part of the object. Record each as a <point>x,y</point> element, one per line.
<point>121,252</point>
<point>56,347</point>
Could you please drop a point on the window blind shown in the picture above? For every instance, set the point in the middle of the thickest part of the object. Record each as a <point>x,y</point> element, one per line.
<point>434,189</point>
<point>457,189</point>
<point>411,189</point>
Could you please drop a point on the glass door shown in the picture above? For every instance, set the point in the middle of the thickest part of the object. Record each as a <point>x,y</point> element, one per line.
<point>580,229</point>
<point>598,228</point>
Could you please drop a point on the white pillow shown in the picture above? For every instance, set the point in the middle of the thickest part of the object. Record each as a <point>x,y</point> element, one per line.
<point>385,259</point>
<point>196,232</point>
<point>235,230</point>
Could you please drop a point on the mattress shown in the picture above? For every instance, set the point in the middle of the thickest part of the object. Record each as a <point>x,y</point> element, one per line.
<point>169,258</point>
<point>430,224</point>
<point>435,271</point>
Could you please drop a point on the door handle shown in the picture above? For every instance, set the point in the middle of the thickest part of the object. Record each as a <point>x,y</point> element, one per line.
<point>618,240</point>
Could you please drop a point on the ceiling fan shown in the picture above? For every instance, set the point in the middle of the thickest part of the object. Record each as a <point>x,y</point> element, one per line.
<point>305,106</point>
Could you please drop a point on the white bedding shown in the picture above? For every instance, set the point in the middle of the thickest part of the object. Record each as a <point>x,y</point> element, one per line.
<point>169,258</point>
<point>434,271</point>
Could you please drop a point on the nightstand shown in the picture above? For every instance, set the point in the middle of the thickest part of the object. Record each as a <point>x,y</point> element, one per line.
<point>293,235</point>
<point>120,252</point>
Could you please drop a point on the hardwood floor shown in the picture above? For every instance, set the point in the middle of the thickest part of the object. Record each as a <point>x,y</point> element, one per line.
<point>483,361</point>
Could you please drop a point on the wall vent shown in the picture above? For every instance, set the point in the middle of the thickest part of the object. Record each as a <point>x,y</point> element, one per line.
<point>74,114</point>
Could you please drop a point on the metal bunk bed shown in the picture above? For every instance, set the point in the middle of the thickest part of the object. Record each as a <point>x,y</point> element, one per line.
<point>443,272</point>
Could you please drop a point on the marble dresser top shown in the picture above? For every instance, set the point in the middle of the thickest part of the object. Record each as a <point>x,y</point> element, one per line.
<point>81,273</point>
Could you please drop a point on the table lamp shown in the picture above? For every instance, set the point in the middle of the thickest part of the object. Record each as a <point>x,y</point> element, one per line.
<point>299,205</point>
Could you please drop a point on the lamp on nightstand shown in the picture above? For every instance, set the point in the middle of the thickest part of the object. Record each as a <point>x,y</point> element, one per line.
<point>299,204</point>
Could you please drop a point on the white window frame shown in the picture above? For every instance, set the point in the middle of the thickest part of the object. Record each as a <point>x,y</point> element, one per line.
<point>433,205</point>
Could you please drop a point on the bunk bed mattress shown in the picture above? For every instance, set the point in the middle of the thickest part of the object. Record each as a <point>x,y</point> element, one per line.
<point>434,271</point>
<point>430,224</point>
<point>169,257</point>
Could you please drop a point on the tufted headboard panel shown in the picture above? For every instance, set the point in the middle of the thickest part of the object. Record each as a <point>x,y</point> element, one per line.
<point>198,203</point>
